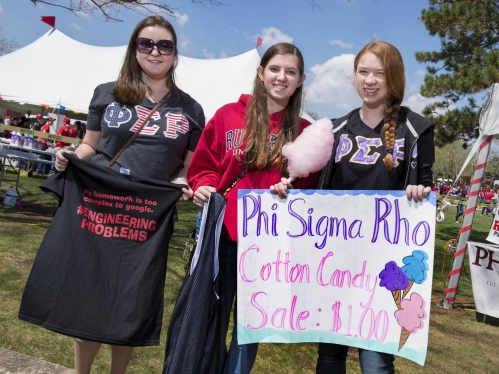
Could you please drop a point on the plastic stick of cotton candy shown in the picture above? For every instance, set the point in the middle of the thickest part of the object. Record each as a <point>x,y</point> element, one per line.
<point>311,150</point>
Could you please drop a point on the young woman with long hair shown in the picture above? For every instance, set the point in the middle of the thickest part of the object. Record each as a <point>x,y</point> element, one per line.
<point>400,157</point>
<point>243,143</point>
<point>400,154</point>
<point>162,151</point>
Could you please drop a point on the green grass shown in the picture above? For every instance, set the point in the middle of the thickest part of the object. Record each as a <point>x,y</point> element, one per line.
<point>457,342</point>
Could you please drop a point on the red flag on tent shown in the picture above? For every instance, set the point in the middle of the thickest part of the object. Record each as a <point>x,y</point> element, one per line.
<point>49,20</point>
<point>259,42</point>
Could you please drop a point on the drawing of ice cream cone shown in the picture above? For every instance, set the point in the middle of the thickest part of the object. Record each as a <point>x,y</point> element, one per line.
<point>394,280</point>
<point>404,334</point>
<point>407,289</point>
<point>416,269</point>
<point>410,317</point>
<point>397,297</point>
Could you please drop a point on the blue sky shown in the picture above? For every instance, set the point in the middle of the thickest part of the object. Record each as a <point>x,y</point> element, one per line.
<point>328,37</point>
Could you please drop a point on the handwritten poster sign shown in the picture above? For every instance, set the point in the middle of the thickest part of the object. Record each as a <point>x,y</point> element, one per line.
<point>346,267</point>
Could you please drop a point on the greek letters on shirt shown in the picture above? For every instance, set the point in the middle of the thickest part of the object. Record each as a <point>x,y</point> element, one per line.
<point>117,114</point>
<point>364,150</point>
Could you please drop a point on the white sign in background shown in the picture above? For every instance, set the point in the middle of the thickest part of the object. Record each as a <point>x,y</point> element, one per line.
<point>493,236</point>
<point>346,267</point>
<point>484,268</point>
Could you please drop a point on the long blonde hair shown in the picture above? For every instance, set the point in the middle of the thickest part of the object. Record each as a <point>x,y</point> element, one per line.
<point>393,67</point>
<point>257,123</point>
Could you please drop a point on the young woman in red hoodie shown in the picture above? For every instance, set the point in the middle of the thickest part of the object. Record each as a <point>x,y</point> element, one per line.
<point>243,142</point>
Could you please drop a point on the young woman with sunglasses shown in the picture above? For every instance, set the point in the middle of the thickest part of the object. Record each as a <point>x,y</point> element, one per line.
<point>162,150</point>
<point>243,142</point>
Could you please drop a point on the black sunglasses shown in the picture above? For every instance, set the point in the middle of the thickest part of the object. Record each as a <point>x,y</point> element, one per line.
<point>146,45</point>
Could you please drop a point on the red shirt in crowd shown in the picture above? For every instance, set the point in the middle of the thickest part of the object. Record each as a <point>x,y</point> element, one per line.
<point>65,130</point>
<point>45,128</point>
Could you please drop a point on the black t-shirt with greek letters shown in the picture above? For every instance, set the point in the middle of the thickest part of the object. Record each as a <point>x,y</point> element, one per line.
<point>158,152</point>
<point>359,158</point>
<point>100,271</point>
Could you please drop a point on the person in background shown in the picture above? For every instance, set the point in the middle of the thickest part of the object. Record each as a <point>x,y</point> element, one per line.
<point>488,195</point>
<point>46,129</point>
<point>65,130</point>
<point>10,122</point>
<point>495,201</point>
<point>39,122</point>
<point>268,119</point>
<point>46,168</point>
<point>14,122</point>
<point>24,123</point>
<point>460,205</point>
<point>80,128</point>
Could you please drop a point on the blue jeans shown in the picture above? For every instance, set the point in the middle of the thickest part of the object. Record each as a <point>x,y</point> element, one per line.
<point>332,360</point>
<point>240,358</point>
<point>486,210</point>
<point>460,211</point>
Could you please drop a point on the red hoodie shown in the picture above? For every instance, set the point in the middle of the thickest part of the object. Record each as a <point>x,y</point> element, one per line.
<point>215,163</point>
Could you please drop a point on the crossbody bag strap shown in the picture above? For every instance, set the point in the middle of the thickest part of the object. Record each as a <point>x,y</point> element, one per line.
<point>111,163</point>
<point>239,177</point>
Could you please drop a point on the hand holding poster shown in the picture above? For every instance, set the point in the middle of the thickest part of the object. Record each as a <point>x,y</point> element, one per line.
<point>346,267</point>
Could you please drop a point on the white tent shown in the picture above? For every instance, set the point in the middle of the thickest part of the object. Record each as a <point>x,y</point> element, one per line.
<point>56,70</point>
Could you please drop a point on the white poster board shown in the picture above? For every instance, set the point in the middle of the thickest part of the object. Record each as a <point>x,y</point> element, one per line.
<point>347,267</point>
<point>484,267</point>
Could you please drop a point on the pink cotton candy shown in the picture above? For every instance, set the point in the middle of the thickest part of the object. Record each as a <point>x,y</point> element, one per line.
<point>411,313</point>
<point>311,150</point>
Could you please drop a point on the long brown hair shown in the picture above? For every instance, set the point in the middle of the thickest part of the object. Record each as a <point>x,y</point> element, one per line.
<point>257,123</point>
<point>129,88</point>
<point>393,67</point>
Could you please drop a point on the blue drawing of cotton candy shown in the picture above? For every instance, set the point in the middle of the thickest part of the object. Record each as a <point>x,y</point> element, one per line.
<point>416,269</point>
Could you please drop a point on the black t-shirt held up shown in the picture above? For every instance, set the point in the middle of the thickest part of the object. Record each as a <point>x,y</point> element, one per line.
<point>100,271</point>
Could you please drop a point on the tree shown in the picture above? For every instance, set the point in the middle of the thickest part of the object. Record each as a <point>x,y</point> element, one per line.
<point>314,115</point>
<point>110,9</point>
<point>7,45</point>
<point>449,160</point>
<point>466,65</point>
<point>492,168</point>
